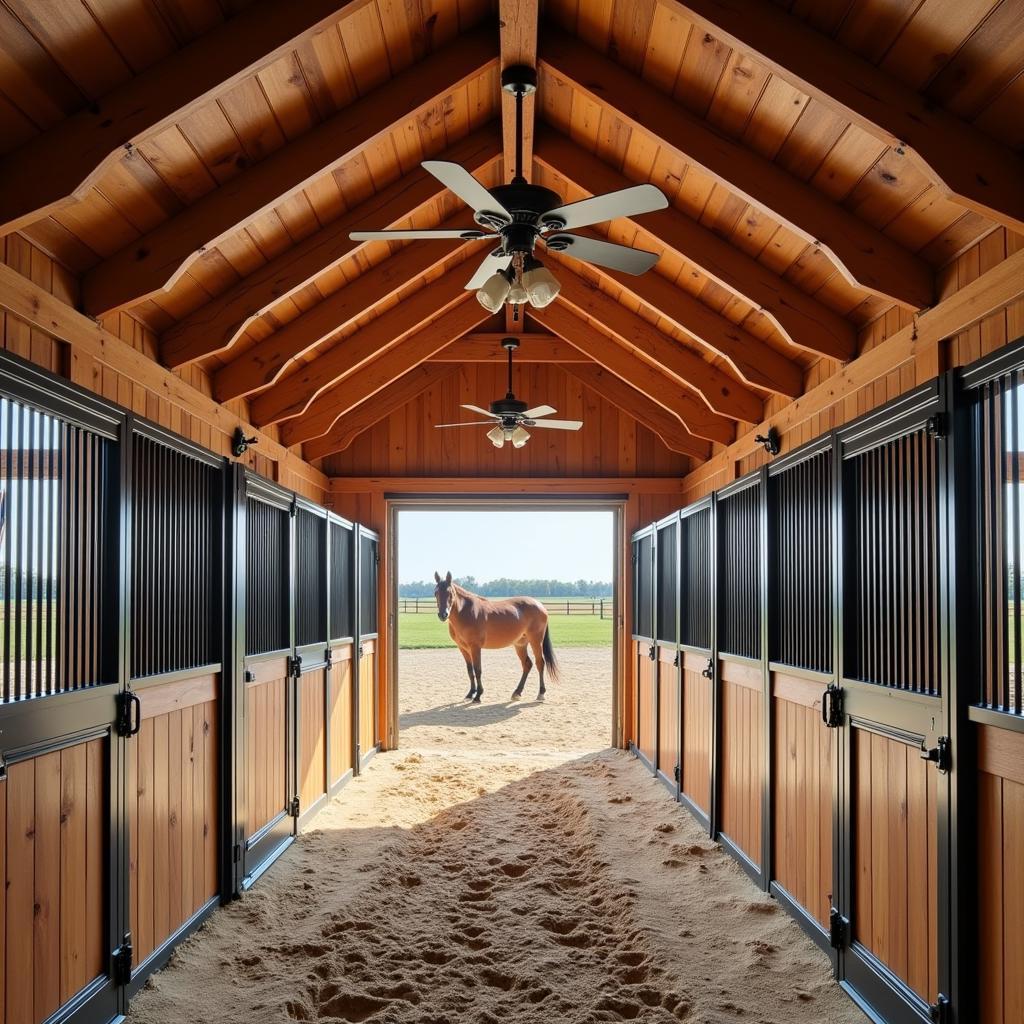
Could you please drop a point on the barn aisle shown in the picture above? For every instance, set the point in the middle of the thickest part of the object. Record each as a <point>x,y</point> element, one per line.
<point>493,870</point>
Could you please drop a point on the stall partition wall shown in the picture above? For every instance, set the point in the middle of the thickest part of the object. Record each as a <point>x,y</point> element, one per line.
<point>179,689</point>
<point>848,703</point>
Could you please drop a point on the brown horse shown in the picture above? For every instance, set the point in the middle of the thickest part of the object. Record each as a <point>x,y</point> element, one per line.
<point>474,623</point>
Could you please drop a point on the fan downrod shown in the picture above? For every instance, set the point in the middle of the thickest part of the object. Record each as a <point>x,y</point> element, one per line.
<point>509,405</point>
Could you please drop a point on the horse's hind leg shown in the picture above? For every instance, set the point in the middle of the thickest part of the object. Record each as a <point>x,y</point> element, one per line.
<point>524,660</point>
<point>537,643</point>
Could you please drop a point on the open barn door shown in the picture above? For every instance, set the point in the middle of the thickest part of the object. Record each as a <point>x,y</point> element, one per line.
<point>63,706</point>
<point>267,765</point>
<point>891,917</point>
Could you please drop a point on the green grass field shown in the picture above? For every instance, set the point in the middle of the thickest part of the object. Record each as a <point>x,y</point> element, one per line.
<point>416,632</point>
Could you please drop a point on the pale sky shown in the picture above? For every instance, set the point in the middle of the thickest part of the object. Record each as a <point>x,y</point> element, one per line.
<point>570,545</point>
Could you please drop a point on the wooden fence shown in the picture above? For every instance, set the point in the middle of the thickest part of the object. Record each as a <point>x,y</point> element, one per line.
<point>599,606</point>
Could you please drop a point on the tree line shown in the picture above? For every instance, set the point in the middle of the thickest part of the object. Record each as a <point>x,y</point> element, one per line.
<point>504,587</point>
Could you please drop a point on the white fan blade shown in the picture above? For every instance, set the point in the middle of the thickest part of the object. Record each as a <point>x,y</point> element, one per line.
<point>540,410</point>
<point>557,424</point>
<point>474,423</point>
<point>466,234</point>
<point>627,202</point>
<point>491,265</point>
<point>456,178</point>
<point>604,254</point>
<point>483,412</point>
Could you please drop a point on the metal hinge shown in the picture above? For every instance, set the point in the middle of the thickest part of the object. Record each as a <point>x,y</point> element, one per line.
<point>129,713</point>
<point>675,773</point>
<point>376,558</point>
<point>935,426</point>
<point>293,807</point>
<point>236,853</point>
<point>295,666</point>
<point>708,671</point>
<point>123,961</point>
<point>941,1010</point>
<point>675,660</point>
<point>941,754</point>
<point>328,659</point>
<point>838,929</point>
<point>832,706</point>
<point>652,652</point>
<point>633,557</point>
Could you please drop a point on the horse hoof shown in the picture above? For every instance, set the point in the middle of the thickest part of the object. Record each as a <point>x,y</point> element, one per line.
<point>469,696</point>
<point>516,696</point>
<point>476,700</point>
<point>540,697</point>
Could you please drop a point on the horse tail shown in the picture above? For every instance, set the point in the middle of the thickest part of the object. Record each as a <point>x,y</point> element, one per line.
<point>550,662</point>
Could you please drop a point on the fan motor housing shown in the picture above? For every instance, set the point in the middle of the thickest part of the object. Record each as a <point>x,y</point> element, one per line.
<point>508,407</point>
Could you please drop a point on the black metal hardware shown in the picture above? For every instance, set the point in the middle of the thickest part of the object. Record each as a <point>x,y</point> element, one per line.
<point>294,665</point>
<point>240,443</point>
<point>652,652</point>
<point>832,706</point>
<point>838,929</point>
<point>675,660</point>
<point>328,659</point>
<point>676,773</point>
<point>935,426</point>
<point>293,807</point>
<point>128,723</point>
<point>708,672</point>
<point>941,1011</point>
<point>236,853</point>
<point>123,961</point>
<point>360,650</point>
<point>771,442</point>
<point>940,754</point>
<point>250,676</point>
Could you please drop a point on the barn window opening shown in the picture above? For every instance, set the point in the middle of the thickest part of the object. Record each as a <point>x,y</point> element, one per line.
<point>529,588</point>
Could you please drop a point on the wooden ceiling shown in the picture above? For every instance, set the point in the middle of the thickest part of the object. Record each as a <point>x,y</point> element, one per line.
<point>200,164</point>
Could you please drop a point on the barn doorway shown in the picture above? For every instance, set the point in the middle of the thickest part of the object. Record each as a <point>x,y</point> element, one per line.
<point>564,556</point>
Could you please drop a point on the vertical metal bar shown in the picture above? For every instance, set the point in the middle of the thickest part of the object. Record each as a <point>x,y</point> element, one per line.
<point>7,450</point>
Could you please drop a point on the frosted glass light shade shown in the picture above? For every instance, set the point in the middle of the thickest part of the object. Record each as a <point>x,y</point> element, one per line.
<point>517,294</point>
<point>493,292</point>
<point>496,436</point>
<point>519,437</point>
<point>541,286</point>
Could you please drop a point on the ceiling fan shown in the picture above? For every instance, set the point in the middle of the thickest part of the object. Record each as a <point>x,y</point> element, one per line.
<point>518,215</point>
<point>509,415</point>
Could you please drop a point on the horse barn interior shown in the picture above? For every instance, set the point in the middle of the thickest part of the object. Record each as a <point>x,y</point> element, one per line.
<point>806,416</point>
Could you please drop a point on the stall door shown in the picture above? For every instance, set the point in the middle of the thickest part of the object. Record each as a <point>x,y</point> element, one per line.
<point>667,710</point>
<point>644,650</point>
<point>341,716</point>
<point>893,904</point>
<point>62,936</point>
<point>268,777</point>
<point>368,736</point>
<point>696,615</point>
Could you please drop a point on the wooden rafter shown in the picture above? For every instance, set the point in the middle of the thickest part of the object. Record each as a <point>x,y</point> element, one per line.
<point>293,395</point>
<point>154,261</point>
<point>265,362</point>
<point>754,360</point>
<point>518,32</point>
<point>649,414</point>
<point>865,256</point>
<point>719,391</point>
<point>800,318</point>
<point>638,373</point>
<point>217,324</point>
<point>486,348</point>
<point>378,373</point>
<point>54,168</point>
<point>970,166</point>
<point>390,399</point>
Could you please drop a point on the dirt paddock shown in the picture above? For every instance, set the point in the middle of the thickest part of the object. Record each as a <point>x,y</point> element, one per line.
<point>503,866</point>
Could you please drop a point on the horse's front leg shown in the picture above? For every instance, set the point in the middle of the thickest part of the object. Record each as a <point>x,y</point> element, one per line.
<point>479,677</point>
<point>472,677</point>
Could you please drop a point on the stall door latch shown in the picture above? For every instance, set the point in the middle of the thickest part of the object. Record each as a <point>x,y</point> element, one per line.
<point>652,652</point>
<point>838,929</point>
<point>708,672</point>
<point>939,1011</point>
<point>940,754</point>
<point>832,706</point>
<point>123,961</point>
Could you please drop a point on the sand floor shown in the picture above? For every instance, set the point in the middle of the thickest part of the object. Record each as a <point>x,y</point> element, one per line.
<point>503,866</point>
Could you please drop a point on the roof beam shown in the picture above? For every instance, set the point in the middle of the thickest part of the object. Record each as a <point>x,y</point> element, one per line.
<point>486,348</point>
<point>865,256</point>
<point>754,360</point>
<point>719,391</point>
<point>648,414</point>
<point>378,373</point>
<point>154,261</point>
<point>647,379</point>
<point>217,324</point>
<point>265,362</point>
<point>970,166</point>
<point>518,22</point>
<point>293,395</point>
<point>57,166</point>
<point>799,318</point>
<point>392,398</point>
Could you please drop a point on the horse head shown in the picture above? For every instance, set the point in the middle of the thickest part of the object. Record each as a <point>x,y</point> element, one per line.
<point>444,594</point>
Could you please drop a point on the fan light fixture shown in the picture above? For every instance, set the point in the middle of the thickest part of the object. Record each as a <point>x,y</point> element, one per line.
<point>525,280</point>
<point>497,436</point>
<point>495,290</point>
<point>519,437</point>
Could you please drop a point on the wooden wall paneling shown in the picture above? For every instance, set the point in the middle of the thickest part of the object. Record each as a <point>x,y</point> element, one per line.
<point>312,739</point>
<point>697,723</point>
<point>647,726</point>
<point>368,734</point>
<point>740,765</point>
<point>668,714</point>
<point>340,715</point>
<point>265,751</point>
